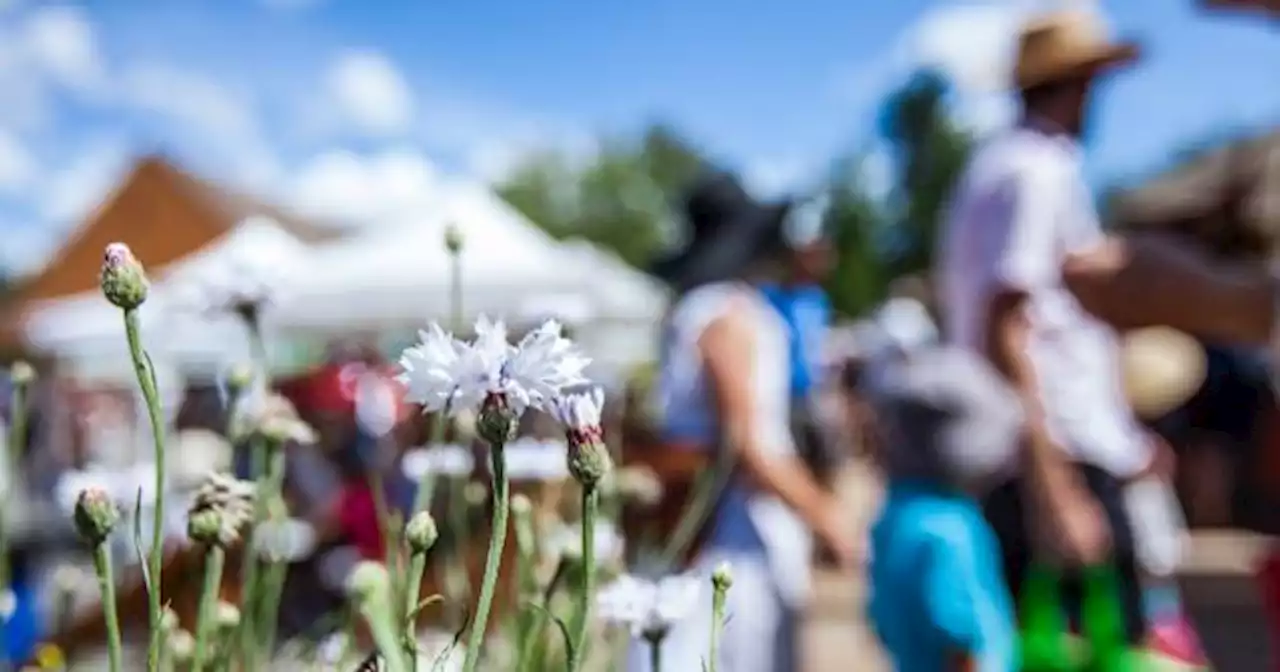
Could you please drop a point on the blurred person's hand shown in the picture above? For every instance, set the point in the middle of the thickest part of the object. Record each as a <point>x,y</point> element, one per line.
<point>838,541</point>
<point>1152,280</point>
<point>1076,527</point>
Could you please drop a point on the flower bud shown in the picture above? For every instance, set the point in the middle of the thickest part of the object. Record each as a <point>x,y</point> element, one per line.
<point>227,616</point>
<point>421,533</point>
<point>520,505</point>
<point>475,494</point>
<point>722,577</point>
<point>169,620</point>
<point>182,646</point>
<point>369,581</point>
<point>238,379</point>
<point>123,280</point>
<point>205,526</point>
<point>497,422</point>
<point>96,515</point>
<point>453,240</point>
<point>589,461</point>
<point>21,373</point>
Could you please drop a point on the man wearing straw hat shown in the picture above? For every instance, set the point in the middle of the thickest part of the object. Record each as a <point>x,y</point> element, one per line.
<point>1022,205</point>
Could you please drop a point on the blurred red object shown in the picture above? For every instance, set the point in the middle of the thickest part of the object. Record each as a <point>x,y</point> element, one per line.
<point>1269,586</point>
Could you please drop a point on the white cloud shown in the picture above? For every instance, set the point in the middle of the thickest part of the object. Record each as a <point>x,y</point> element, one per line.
<point>26,247</point>
<point>82,184</point>
<point>370,93</point>
<point>365,189</point>
<point>17,166</point>
<point>219,120</point>
<point>188,98</point>
<point>41,51</point>
<point>971,43</point>
<point>62,42</point>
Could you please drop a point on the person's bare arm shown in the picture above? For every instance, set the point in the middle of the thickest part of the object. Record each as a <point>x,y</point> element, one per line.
<point>1029,260</point>
<point>1007,347</point>
<point>728,349</point>
<point>1153,280</point>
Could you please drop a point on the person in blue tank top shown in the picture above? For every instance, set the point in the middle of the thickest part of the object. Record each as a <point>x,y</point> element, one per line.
<point>806,310</point>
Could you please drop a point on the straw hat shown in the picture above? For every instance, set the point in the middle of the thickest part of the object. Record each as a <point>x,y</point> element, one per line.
<point>1066,44</point>
<point>1163,368</point>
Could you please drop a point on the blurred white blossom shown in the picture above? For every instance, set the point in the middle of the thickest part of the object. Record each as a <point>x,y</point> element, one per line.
<point>270,416</point>
<point>284,540</point>
<point>649,608</point>
<point>565,541</point>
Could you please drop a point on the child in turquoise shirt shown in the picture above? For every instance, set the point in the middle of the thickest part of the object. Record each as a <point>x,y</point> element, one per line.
<point>938,598</point>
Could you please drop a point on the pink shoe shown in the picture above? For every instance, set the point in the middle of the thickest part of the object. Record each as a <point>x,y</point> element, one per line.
<point>1176,638</point>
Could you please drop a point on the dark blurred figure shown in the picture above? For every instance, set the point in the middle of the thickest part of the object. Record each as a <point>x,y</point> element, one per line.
<point>805,308</point>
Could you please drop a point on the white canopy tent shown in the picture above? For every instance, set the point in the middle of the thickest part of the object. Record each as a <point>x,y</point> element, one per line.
<point>87,333</point>
<point>399,277</point>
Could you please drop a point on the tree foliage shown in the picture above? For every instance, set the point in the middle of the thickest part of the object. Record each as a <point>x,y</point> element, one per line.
<point>621,199</point>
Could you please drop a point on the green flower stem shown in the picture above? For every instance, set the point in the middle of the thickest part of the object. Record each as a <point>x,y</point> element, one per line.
<point>426,484</point>
<point>413,588</point>
<point>526,585</point>
<point>13,452</point>
<point>214,560</point>
<point>273,583</point>
<point>655,652</point>
<point>707,490</point>
<point>382,627</point>
<point>269,585</point>
<point>717,625</point>
<point>493,562</point>
<point>147,381</point>
<point>107,583</point>
<point>590,510</point>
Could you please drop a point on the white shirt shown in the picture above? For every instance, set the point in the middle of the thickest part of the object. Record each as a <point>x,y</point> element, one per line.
<point>1020,208</point>
<point>747,520</point>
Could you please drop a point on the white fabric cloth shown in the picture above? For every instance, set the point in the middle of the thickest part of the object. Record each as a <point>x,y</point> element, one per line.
<point>757,630</point>
<point>1021,206</point>
<point>747,520</point>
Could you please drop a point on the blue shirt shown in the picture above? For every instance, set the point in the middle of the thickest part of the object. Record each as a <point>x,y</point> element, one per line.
<point>807,313</point>
<point>937,589</point>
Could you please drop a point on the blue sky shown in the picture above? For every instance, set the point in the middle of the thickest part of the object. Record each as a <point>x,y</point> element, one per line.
<point>356,109</point>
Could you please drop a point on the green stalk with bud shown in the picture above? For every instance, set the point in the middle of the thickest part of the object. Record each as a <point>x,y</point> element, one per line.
<point>96,516</point>
<point>496,426</point>
<point>589,464</point>
<point>721,581</point>
<point>222,508</point>
<point>420,534</point>
<point>124,284</point>
<point>370,591</point>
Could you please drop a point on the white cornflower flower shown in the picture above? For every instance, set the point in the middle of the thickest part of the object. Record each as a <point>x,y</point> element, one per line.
<point>433,369</point>
<point>285,540</point>
<point>579,412</point>
<point>442,371</point>
<point>565,541</point>
<point>649,608</point>
<point>236,286</point>
<point>270,416</point>
<point>589,459</point>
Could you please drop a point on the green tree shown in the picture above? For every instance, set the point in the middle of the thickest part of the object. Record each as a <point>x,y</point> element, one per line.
<point>620,201</point>
<point>930,152</point>
<point>856,222</point>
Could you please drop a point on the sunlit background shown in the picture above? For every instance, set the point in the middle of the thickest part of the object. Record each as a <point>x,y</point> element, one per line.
<point>330,145</point>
